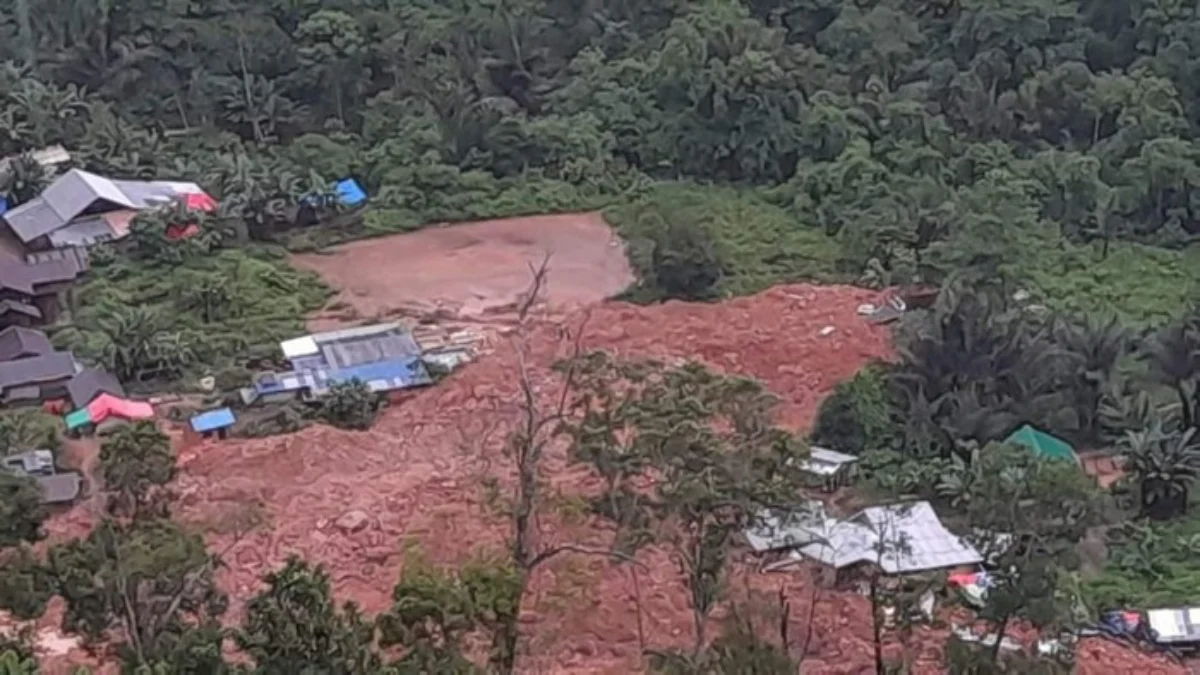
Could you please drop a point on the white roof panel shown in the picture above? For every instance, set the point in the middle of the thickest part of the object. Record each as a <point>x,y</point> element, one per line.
<point>301,346</point>
<point>778,530</point>
<point>902,538</point>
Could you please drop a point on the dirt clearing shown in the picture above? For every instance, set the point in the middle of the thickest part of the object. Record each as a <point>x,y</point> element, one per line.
<point>473,270</point>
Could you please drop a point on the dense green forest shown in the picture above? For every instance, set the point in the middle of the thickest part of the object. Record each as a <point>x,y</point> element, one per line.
<point>1035,158</point>
<point>1039,142</point>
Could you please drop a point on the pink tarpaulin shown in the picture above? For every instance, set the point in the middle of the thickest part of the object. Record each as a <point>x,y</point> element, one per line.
<point>107,405</point>
<point>200,201</point>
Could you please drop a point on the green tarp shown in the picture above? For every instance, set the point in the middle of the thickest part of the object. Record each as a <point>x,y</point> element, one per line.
<point>78,418</point>
<point>1042,444</point>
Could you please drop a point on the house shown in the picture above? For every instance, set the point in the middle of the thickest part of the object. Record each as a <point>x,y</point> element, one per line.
<point>833,469</point>
<point>1043,444</point>
<point>33,379</point>
<point>30,292</point>
<point>384,356</point>
<point>81,208</point>
<point>57,488</point>
<point>23,343</point>
<point>213,423</point>
<point>899,538</point>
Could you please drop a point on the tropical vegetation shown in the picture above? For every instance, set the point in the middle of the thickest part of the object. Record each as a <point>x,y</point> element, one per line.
<point>1034,159</point>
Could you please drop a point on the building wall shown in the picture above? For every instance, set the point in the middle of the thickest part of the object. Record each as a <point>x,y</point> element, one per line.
<point>9,243</point>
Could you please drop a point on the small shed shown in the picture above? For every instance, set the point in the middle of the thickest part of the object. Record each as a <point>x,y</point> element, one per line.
<point>213,423</point>
<point>1176,627</point>
<point>350,193</point>
<point>834,469</point>
<point>1043,444</point>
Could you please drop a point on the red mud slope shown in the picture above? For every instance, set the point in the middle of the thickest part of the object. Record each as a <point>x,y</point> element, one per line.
<point>349,500</point>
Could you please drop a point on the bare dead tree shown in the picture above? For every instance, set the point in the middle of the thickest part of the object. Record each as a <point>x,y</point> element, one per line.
<point>536,429</point>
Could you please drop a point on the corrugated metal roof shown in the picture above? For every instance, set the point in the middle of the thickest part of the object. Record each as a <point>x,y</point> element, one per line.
<point>826,462</point>
<point>30,462</point>
<point>90,383</point>
<point>77,256</point>
<point>7,306</point>
<point>24,277</point>
<point>38,369</point>
<point>901,538</point>
<point>780,530</point>
<point>72,193</point>
<point>301,346</point>
<point>379,377</point>
<point>17,343</point>
<point>350,347</point>
<point>60,487</point>
<point>212,420</point>
<point>83,232</point>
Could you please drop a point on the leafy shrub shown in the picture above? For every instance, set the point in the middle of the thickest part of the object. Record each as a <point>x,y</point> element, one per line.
<point>1149,565</point>
<point>857,416</point>
<point>25,584</point>
<point>351,405</point>
<point>21,509</point>
<point>755,244</point>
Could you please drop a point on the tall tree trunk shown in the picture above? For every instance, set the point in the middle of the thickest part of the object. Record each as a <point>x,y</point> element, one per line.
<point>1185,405</point>
<point>251,113</point>
<point>25,30</point>
<point>877,626</point>
<point>1000,630</point>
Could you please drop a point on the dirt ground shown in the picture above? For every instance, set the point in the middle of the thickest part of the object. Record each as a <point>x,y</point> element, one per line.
<point>474,270</point>
<point>352,501</point>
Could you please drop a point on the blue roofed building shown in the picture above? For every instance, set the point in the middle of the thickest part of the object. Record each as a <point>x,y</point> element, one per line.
<point>213,423</point>
<point>385,357</point>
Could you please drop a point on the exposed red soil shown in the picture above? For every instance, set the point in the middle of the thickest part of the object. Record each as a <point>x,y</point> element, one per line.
<point>473,269</point>
<point>414,478</point>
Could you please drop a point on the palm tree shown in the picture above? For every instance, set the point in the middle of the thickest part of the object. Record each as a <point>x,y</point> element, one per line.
<point>129,332</point>
<point>1164,464</point>
<point>1095,348</point>
<point>23,179</point>
<point>1174,358</point>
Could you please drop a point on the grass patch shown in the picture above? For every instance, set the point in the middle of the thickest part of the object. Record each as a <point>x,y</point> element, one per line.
<point>1142,285</point>
<point>1149,565</point>
<point>760,244</point>
<point>154,324</point>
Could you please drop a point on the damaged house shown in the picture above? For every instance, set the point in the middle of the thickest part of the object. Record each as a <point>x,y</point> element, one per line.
<point>383,356</point>
<point>80,209</point>
<point>898,538</point>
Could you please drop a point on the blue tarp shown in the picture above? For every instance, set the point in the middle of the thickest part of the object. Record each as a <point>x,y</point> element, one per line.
<point>350,193</point>
<point>394,374</point>
<point>213,420</point>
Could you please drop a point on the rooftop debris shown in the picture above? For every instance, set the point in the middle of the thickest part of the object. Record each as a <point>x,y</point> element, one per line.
<point>900,538</point>
<point>383,356</point>
<point>54,213</point>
